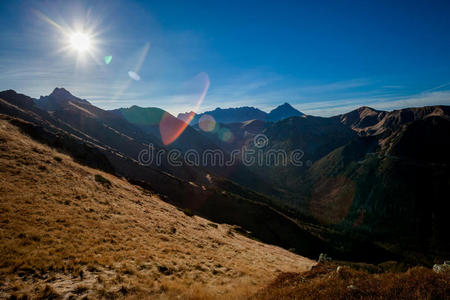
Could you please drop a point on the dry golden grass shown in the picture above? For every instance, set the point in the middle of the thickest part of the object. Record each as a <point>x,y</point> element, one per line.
<point>66,232</point>
<point>330,281</point>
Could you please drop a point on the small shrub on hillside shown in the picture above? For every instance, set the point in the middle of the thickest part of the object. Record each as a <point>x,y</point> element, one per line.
<point>91,268</point>
<point>49,293</point>
<point>20,297</point>
<point>187,212</point>
<point>124,290</point>
<point>80,290</point>
<point>165,270</point>
<point>215,272</point>
<point>100,179</point>
<point>57,158</point>
<point>127,270</point>
<point>36,150</point>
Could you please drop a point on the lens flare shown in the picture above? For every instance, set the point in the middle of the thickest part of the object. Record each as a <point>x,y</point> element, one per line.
<point>207,123</point>
<point>226,135</point>
<point>170,127</point>
<point>108,59</point>
<point>134,75</point>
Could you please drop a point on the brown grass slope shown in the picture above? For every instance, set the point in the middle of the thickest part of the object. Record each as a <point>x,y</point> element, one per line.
<point>330,281</point>
<point>68,230</point>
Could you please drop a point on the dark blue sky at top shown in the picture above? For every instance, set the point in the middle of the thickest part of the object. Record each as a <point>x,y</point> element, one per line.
<point>324,57</point>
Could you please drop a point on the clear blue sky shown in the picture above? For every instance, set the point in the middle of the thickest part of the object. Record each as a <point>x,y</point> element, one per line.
<point>323,57</point>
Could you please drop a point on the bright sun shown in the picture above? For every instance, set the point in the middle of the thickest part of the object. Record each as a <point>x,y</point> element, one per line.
<point>80,42</point>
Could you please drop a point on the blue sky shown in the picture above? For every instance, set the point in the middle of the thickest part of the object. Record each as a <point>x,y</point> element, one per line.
<point>323,57</point>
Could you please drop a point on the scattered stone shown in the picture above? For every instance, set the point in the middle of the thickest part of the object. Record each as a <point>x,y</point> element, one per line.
<point>442,268</point>
<point>164,270</point>
<point>324,258</point>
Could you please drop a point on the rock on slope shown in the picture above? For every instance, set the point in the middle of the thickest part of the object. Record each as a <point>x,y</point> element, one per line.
<point>67,229</point>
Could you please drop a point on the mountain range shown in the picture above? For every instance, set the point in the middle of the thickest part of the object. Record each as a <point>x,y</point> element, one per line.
<point>372,185</point>
<point>242,114</point>
<point>106,140</point>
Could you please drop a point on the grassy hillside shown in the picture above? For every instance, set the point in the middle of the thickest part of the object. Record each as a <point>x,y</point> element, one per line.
<point>67,229</point>
<point>334,281</point>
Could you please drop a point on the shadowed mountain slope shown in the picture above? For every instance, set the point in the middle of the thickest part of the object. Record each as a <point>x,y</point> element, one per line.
<point>161,124</point>
<point>313,137</point>
<point>367,173</point>
<point>149,119</point>
<point>392,187</point>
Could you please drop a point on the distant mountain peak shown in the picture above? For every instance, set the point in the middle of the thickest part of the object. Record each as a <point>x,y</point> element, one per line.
<point>284,111</point>
<point>366,108</point>
<point>285,104</point>
<point>362,117</point>
<point>59,97</point>
<point>60,89</point>
<point>10,91</point>
<point>61,92</point>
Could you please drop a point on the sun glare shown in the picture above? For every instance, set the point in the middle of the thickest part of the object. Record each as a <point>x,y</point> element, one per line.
<point>80,42</point>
